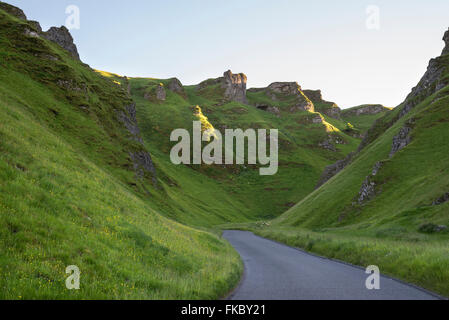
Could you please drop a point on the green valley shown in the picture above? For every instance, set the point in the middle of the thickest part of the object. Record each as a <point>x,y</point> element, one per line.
<point>86,177</point>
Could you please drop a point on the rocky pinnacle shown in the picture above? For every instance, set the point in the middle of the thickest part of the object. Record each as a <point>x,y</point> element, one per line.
<point>235,86</point>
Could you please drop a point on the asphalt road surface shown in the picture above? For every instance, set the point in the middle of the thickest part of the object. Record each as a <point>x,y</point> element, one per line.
<point>274,271</point>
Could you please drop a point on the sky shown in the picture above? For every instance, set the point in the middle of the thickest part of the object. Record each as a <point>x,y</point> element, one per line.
<point>355,51</point>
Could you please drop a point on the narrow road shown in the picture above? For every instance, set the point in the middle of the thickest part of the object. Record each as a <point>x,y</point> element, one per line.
<point>274,271</point>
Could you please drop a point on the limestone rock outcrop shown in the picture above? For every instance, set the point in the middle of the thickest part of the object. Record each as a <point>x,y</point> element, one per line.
<point>12,10</point>
<point>431,82</point>
<point>369,109</point>
<point>161,94</point>
<point>368,188</point>
<point>302,103</point>
<point>63,38</point>
<point>333,169</point>
<point>36,25</point>
<point>141,159</point>
<point>176,86</point>
<point>314,95</point>
<point>287,88</point>
<point>401,140</point>
<point>235,86</point>
<point>328,108</point>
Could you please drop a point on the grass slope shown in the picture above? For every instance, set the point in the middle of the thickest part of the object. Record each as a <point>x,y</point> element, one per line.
<point>69,196</point>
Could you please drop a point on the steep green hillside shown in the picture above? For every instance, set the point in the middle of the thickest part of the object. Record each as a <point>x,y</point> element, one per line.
<point>77,187</point>
<point>389,206</point>
<point>86,179</point>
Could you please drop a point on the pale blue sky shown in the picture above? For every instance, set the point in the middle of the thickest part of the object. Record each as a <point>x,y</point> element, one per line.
<point>320,44</point>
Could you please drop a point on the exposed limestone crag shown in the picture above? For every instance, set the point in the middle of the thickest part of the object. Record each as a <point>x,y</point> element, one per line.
<point>430,83</point>
<point>333,169</point>
<point>368,109</point>
<point>63,38</point>
<point>141,159</point>
<point>12,10</point>
<point>161,94</point>
<point>142,164</point>
<point>368,188</point>
<point>303,103</point>
<point>401,140</point>
<point>235,87</point>
<point>60,36</point>
<point>36,25</point>
<point>314,95</point>
<point>330,109</point>
<point>176,86</point>
<point>129,119</point>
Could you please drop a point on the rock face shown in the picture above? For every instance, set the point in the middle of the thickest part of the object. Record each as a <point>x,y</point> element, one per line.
<point>328,108</point>
<point>290,89</point>
<point>141,159</point>
<point>286,88</point>
<point>60,36</point>
<point>176,86</point>
<point>129,119</point>
<point>333,169</point>
<point>142,163</point>
<point>431,82</point>
<point>444,198</point>
<point>368,109</point>
<point>314,95</point>
<point>36,25</point>
<point>63,38</point>
<point>18,13</point>
<point>446,41</point>
<point>235,87</point>
<point>160,93</point>
<point>333,112</point>
<point>368,188</point>
<point>401,140</point>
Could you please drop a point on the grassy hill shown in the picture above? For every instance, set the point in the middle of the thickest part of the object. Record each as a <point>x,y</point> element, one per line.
<point>79,186</point>
<point>69,194</point>
<point>387,207</point>
<point>86,179</point>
